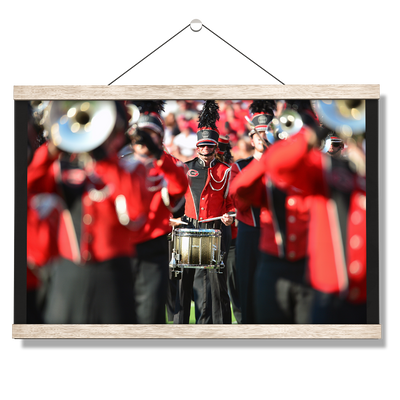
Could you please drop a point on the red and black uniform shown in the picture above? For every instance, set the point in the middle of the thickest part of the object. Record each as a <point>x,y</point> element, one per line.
<point>281,294</point>
<point>92,282</point>
<point>207,197</point>
<point>44,214</point>
<point>166,183</point>
<point>248,236</point>
<point>168,173</point>
<point>245,212</point>
<point>337,234</point>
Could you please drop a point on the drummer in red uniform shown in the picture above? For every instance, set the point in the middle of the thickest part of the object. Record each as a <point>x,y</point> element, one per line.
<point>206,198</point>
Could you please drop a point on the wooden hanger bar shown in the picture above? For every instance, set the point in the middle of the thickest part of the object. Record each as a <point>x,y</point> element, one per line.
<point>194,90</point>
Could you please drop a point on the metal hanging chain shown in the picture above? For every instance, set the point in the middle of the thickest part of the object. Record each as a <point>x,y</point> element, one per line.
<point>195,26</point>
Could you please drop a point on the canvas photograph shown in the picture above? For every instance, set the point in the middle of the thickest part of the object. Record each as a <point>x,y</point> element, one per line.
<point>196,212</point>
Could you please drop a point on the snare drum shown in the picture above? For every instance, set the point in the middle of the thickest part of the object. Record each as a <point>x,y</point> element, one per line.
<point>197,248</point>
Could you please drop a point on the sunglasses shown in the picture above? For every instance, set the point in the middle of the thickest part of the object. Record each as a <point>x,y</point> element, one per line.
<point>206,145</point>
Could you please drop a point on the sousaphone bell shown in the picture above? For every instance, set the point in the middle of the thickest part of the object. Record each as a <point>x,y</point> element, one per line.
<point>80,126</point>
<point>345,117</point>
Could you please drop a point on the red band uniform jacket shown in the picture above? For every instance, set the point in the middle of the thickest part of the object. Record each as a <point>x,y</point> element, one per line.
<point>207,196</point>
<point>337,234</point>
<point>245,212</point>
<point>284,215</point>
<point>103,236</point>
<point>43,221</point>
<point>165,178</point>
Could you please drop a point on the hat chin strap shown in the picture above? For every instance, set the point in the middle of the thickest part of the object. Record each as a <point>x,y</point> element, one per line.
<point>334,152</point>
<point>212,154</point>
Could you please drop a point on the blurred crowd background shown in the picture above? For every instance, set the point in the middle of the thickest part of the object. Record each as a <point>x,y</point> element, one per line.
<point>181,119</point>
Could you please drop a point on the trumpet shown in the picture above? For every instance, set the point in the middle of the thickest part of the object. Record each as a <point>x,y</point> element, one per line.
<point>287,124</point>
<point>78,127</point>
<point>134,114</point>
<point>345,117</point>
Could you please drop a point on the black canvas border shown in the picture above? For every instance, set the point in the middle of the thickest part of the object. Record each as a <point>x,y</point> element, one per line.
<point>21,116</point>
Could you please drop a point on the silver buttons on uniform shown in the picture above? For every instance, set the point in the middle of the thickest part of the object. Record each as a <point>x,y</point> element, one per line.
<point>87,219</point>
<point>291,201</point>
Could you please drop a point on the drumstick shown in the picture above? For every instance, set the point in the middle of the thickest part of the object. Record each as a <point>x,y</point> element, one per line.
<point>178,221</point>
<point>215,218</point>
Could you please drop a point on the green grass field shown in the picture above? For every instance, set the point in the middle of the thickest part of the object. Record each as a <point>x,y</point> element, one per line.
<point>192,319</point>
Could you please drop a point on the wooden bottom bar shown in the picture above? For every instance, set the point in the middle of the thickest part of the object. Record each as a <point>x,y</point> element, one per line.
<point>27,331</point>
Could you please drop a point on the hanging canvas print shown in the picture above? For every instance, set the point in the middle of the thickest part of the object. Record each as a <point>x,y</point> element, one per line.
<point>188,212</point>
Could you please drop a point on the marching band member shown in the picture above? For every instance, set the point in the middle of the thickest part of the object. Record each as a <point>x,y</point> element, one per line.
<point>224,155</point>
<point>92,280</point>
<point>207,197</point>
<point>167,184</point>
<point>43,217</point>
<point>337,235</point>
<point>248,216</point>
<point>281,293</point>
<point>44,214</point>
<point>333,146</point>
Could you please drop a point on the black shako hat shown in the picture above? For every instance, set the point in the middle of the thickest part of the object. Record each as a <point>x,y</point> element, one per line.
<point>262,113</point>
<point>208,133</point>
<point>150,117</point>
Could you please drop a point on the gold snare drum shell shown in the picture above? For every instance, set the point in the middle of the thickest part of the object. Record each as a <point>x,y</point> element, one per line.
<point>198,248</point>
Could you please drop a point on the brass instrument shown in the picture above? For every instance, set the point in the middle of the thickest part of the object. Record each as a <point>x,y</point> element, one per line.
<point>134,114</point>
<point>345,117</point>
<point>286,124</point>
<point>80,126</point>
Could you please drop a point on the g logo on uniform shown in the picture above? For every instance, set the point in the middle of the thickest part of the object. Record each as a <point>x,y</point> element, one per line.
<point>192,173</point>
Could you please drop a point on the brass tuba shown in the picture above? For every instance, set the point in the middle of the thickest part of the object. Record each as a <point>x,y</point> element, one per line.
<point>345,117</point>
<point>80,126</point>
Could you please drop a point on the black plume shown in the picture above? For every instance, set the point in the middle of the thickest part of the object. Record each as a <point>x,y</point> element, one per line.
<point>299,105</point>
<point>209,115</point>
<point>262,106</point>
<point>150,106</point>
<point>228,157</point>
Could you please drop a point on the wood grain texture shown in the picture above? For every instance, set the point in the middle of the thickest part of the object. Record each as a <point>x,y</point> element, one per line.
<point>196,331</point>
<point>193,92</point>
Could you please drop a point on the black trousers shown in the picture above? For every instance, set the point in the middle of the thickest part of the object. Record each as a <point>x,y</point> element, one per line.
<point>150,268</point>
<point>210,294</point>
<point>233,284</point>
<point>247,256</point>
<point>98,293</point>
<point>209,291</point>
<point>281,295</point>
<point>33,312</point>
<point>329,308</point>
